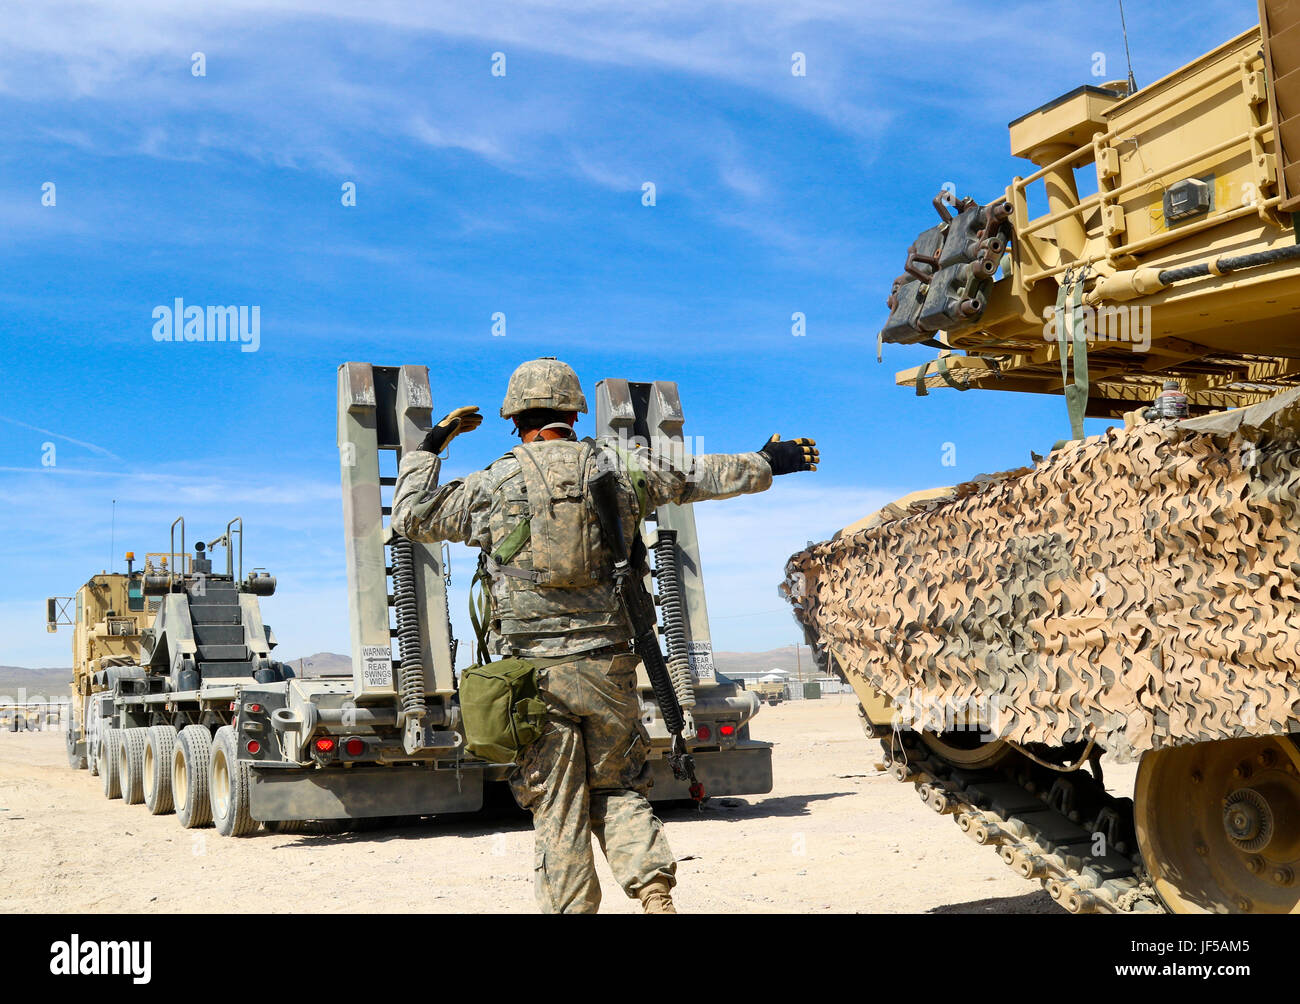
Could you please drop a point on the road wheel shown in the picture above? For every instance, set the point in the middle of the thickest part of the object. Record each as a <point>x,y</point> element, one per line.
<point>228,784</point>
<point>159,749</point>
<point>108,775</point>
<point>1218,824</point>
<point>190,776</point>
<point>76,747</point>
<point>130,764</point>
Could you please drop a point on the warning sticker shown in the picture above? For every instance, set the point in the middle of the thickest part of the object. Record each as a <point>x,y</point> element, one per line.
<point>701,655</point>
<point>377,667</point>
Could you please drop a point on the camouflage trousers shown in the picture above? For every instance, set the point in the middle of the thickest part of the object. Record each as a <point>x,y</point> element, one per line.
<point>587,775</point>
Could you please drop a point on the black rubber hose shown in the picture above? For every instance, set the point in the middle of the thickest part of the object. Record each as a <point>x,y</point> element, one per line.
<point>1224,265</point>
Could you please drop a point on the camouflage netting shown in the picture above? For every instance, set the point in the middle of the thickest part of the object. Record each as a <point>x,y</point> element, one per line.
<point>1139,587</point>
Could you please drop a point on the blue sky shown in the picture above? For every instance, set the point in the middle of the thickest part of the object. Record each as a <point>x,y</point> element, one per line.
<point>478,194</point>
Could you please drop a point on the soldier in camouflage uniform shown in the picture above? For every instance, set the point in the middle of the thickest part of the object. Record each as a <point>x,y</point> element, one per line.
<point>552,599</point>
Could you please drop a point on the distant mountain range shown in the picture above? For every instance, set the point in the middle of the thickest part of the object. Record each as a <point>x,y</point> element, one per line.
<point>36,683</point>
<point>53,682</point>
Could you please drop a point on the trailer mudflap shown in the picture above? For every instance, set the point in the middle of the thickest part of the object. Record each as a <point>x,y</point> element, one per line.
<point>362,792</point>
<point>744,770</point>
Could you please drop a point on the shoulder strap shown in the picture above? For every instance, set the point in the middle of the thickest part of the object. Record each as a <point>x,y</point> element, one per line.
<point>480,609</point>
<point>640,483</point>
<point>506,551</point>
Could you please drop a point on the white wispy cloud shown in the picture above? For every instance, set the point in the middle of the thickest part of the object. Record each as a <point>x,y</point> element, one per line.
<point>92,447</point>
<point>338,88</point>
<point>137,55</point>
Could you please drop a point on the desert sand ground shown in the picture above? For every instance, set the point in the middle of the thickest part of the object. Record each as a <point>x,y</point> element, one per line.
<point>835,835</point>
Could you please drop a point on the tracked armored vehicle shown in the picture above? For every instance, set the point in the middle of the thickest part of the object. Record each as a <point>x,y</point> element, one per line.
<point>1131,592</point>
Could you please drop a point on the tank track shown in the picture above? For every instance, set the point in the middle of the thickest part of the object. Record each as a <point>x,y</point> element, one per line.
<point>1043,824</point>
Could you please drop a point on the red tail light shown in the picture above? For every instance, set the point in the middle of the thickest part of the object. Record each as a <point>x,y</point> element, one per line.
<point>254,747</point>
<point>254,708</point>
<point>355,747</point>
<point>703,732</point>
<point>325,745</point>
<point>727,730</point>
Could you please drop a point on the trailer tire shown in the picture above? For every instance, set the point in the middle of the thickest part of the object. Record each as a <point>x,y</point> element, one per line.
<point>107,758</point>
<point>190,776</point>
<point>228,784</point>
<point>159,749</point>
<point>130,764</point>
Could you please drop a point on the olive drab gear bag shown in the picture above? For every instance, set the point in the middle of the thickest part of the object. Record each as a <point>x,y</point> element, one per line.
<point>501,708</point>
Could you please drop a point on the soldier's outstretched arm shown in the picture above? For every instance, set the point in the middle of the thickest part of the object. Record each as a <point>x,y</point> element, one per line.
<point>724,475</point>
<point>427,511</point>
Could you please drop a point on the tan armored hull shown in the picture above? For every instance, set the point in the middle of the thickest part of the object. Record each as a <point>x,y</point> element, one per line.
<point>1133,592</point>
<point>1138,588</point>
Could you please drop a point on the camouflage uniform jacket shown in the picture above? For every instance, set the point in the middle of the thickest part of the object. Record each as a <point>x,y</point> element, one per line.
<point>484,507</point>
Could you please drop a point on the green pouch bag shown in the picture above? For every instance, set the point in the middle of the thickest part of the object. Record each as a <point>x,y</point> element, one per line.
<point>501,708</point>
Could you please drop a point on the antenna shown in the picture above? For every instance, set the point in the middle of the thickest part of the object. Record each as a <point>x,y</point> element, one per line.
<point>1132,81</point>
<point>112,537</point>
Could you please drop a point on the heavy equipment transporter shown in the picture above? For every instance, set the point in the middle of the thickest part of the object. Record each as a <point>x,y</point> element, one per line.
<point>181,706</point>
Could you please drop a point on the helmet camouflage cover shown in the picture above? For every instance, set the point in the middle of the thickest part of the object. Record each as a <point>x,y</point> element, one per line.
<point>543,383</point>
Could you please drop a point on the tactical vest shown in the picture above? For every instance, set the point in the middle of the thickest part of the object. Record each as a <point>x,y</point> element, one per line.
<point>549,569</point>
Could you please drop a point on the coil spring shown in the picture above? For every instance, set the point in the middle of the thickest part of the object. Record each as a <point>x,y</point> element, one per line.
<point>674,617</point>
<point>410,672</point>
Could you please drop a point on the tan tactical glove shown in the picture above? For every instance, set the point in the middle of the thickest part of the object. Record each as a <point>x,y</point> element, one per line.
<point>465,419</point>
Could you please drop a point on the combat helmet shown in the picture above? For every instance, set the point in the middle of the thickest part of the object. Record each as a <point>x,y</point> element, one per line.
<point>543,383</point>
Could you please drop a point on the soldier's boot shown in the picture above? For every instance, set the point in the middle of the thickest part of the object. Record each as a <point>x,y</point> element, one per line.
<point>656,897</point>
